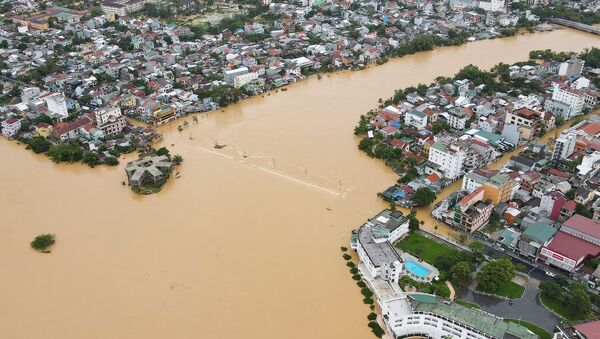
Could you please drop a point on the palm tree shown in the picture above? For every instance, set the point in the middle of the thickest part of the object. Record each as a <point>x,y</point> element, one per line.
<point>177,159</point>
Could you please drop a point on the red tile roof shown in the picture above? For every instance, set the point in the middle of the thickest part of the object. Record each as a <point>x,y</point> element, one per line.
<point>590,329</point>
<point>570,205</point>
<point>558,173</point>
<point>584,225</point>
<point>572,247</point>
<point>591,128</point>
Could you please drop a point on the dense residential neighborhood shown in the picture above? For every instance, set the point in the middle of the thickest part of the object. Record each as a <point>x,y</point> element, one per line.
<point>73,75</point>
<point>513,154</point>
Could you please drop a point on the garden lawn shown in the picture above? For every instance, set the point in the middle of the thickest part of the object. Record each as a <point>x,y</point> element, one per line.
<point>542,333</point>
<point>510,290</point>
<point>425,248</point>
<point>562,309</point>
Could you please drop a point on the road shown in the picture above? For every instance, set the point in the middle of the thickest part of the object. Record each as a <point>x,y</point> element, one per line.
<point>536,271</point>
<point>528,308</point>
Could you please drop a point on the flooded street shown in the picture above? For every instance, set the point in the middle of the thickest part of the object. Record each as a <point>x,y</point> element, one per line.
<point>245,243</point>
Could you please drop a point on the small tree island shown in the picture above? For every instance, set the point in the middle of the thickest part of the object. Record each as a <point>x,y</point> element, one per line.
<point>42,243</point>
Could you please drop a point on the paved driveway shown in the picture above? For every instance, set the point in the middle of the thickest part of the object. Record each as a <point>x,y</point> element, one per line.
<point>527,308</point>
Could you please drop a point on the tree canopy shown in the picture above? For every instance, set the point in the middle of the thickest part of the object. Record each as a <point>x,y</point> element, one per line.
<point>495,275</point>
<point>423,196</point>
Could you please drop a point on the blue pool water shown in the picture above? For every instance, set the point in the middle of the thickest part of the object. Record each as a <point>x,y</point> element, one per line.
<point>416,269</point>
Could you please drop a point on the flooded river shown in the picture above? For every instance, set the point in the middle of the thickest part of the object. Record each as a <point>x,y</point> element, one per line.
<point>244,244</point>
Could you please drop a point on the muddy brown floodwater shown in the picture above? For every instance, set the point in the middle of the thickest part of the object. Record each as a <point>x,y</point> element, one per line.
<point>244,244</point>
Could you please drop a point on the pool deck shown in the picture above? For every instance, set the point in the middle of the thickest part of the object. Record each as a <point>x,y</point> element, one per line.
<point>433,272</point>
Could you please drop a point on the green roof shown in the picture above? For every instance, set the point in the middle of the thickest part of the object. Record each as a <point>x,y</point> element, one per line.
<point>64,15</point>
<point>499,179</point>
<point>493,139</point>
<point>508,236</point>
<point>380,232</point>
<point>423,297</point>
<point>540,231</point>
<point>417,113</point>
<point>476,177</point>
<point>62,9</point>
<point>439,146</point>
<point>475,319</point>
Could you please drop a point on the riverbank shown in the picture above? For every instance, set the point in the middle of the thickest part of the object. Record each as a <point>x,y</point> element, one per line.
<point>242,234</point>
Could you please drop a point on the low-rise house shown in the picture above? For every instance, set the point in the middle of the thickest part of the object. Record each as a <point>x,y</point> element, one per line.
<point>534,238</point>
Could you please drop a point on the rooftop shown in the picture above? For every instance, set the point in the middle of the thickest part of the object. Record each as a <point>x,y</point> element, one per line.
<point>471,317</point>
<point>540,231</point>
<point>572,247</point>
<point>584,225</point>
<point>590,329</point>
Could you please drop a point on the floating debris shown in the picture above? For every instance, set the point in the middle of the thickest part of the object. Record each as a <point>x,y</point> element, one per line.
<point>219,146</point>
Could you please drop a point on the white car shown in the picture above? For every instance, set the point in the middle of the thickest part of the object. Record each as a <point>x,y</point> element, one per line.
<point>550,274</point>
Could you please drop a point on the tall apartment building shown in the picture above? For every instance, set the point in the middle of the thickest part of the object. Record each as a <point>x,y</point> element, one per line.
<point>564,146</point>
<point>449,159</point>
<point>575,98</point>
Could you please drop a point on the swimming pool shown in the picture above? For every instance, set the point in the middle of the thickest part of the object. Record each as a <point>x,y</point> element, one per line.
<point>416,269</point>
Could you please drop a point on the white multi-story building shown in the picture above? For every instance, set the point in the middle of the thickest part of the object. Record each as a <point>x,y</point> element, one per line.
<point>564,146</point>
<point>110,120</point>
<point>457,118</point>
<point>10,127</point>
<point>450,159</point>
<point>230,75</point>
<point>415,118</point>
<point>57,105</point>
<point>573,97</point>
<point>488,124</point>
<point>122,7</point>
<point>243,79</point>
<point>472,181</point>
<point>374,245</point>
<point>493,6</point>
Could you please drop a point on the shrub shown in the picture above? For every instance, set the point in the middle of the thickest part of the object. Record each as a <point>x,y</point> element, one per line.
<point>376,329</point>
<point>42,242</point>
<point>366,292</point>
<point>111,161</point>
<point>344,249</point>
<point>372,316</point>
<point>350,264</point>
<point>347,256</point>
<point>162,151</point>
<point>356,277</point>
<point>354,270</point>
<point>368,301</point>
<point>361,284</point>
